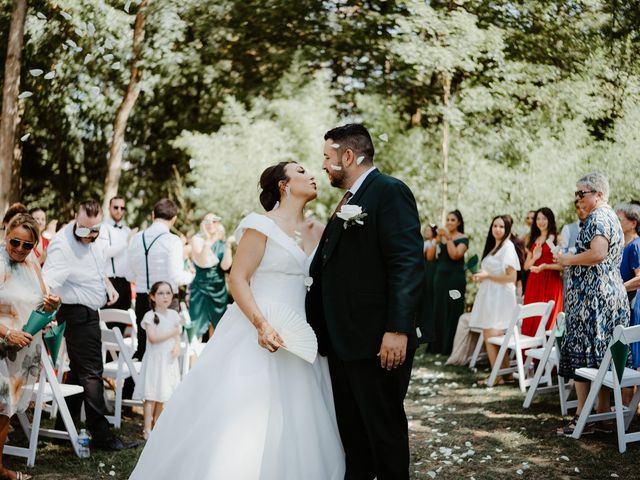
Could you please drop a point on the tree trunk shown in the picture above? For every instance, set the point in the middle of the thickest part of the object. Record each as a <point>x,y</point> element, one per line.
<point>114,163</point>
<point>10,104</point>
<point>446,87</point>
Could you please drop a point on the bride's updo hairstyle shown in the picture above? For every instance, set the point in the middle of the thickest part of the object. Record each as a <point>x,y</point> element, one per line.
<point>270,184</point>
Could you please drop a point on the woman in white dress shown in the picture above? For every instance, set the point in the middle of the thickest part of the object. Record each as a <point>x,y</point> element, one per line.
<point>248,409</point>
<point>496,297</point>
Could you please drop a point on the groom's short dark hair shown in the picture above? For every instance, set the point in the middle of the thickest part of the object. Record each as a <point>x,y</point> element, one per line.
<point>354,136</point>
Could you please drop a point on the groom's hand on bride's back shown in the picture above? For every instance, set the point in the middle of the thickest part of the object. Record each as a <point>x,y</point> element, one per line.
<point>393,350</point>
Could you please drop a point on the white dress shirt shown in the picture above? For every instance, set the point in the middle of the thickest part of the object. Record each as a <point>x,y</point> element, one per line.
<point>358,183</point>
<point>115,253</point>
<point>75,271</point>
<point>165,259</point>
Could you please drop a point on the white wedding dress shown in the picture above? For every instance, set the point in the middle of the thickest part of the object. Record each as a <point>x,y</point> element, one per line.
<point>243,413</point>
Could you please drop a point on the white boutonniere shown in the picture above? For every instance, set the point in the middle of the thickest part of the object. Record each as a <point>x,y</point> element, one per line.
<point>351,214</point>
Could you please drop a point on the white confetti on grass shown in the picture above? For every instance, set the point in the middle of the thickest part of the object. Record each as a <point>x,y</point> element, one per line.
<point>101,464</point>
<point>454,294</point>
<point>565,458</point>
<point>36,72</point>
<point>431,474</point>
<point>519,472</point>
<point>112,473</point>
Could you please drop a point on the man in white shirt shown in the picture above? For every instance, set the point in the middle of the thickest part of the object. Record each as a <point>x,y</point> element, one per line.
<point>156,255</point>
<point>117,238</point>
<point>75,271</point>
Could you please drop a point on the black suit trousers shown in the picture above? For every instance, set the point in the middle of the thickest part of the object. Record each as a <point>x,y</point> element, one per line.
<point>369,402</point>
<point>84,346</point>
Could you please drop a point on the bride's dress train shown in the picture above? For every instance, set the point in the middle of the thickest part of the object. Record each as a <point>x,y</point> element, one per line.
<point>244,413</point>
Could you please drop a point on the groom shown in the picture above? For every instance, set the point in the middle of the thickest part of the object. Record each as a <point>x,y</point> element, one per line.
<point>367,278</point>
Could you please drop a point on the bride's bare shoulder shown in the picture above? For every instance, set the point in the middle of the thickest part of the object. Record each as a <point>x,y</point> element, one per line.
<point>315,228</point>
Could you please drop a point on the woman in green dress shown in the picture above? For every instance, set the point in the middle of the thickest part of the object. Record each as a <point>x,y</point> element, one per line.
<point>425,320</point>
<point>212,257</point>
<point>449,282</point>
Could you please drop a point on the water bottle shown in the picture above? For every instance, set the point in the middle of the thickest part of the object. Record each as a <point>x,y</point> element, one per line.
<point>83,442</point>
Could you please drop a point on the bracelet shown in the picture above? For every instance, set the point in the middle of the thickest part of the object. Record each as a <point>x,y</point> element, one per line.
<point>6,335</point>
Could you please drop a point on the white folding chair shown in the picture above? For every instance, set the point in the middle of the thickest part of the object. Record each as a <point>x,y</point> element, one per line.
<point>123,317</point>
<point>47,389</point>
<point>607,376</point>
<point>118,370</point>
<point>478,348</point>
<point>548,358</point>
<point>513,340</point>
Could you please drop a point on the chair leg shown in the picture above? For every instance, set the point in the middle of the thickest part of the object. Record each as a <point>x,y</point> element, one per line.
<point>620,424</point>
<point>586,410</point>
<point>534,386</point>
<point>522,381</point>
<point>633,408</point>
<point>476,351</point>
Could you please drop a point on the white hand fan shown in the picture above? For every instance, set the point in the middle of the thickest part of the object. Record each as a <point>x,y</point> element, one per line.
<point>297,334</point>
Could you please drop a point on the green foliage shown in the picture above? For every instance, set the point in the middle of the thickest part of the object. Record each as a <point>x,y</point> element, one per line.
<point>541,91</point>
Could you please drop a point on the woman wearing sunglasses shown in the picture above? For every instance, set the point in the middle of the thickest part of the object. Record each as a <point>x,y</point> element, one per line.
<point>596,300</point>
<point>21,291</point>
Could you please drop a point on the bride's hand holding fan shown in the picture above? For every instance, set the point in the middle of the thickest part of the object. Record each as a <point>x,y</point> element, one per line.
<point>268,337</point>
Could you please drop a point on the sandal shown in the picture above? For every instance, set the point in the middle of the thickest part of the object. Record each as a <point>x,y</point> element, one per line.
<point>568,429</point>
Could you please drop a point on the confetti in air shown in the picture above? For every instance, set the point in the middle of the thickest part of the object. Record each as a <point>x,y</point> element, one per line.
<point>455,294</point>
<point>360,159</point>
<point>25,94</point>
<point>337,168</point>
<point>25,137</point>
<point>49,75</point>
<point>35,72</point>
<point>384,137</point>
<point>335,145</point>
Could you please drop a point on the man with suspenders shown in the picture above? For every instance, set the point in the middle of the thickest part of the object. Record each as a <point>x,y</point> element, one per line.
<point>154,255</point>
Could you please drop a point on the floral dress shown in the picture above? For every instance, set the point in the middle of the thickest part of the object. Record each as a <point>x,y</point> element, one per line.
<point>596,301</point>
<point>20,294</point>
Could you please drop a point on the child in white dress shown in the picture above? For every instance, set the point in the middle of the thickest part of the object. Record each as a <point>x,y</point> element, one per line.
<point>160,372</point>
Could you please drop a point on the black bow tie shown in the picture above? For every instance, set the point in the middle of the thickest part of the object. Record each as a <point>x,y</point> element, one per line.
<point>117,226</point>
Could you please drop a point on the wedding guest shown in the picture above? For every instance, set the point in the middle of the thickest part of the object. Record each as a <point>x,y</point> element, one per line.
<point>118,236</point>
<point>160,372</point>
<point>496,298</point>
<point>212,257</point>
<point>74,270</point>
<point>596,300</point>
<point>11,212</point>
<point>22,290</point>
<point>40,250</point>
<point>449,281</point>
<point>425,319</point>
<point>156,255</point>
<point>521,251</point>
<point>569,233</point>
<point>545,276</point>
<point>524,239</point>
<point>629,216</point>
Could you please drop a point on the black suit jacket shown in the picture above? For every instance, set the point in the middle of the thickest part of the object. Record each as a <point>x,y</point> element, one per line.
<point>367,279</point>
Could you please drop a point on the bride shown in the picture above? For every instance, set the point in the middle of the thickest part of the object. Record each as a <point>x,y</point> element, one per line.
<point>248,409</point>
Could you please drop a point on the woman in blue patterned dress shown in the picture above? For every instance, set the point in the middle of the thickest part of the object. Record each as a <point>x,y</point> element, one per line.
<point>596,300</point>
<point>629,215</point>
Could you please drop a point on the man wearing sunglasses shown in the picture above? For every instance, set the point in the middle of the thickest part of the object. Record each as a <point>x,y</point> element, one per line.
<point>118,236</point>
<point>75,271</point>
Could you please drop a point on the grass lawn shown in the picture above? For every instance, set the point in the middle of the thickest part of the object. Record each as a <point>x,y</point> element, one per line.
<point>457,432</point>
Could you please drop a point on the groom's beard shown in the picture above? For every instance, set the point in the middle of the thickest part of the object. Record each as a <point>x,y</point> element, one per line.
<point>337,178</point>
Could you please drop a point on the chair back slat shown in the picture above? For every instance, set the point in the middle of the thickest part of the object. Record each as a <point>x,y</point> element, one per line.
<point>114,315</point>
<point>626,335</point>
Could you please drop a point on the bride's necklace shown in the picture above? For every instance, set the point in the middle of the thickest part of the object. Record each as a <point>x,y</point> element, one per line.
<point>297,234</point>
